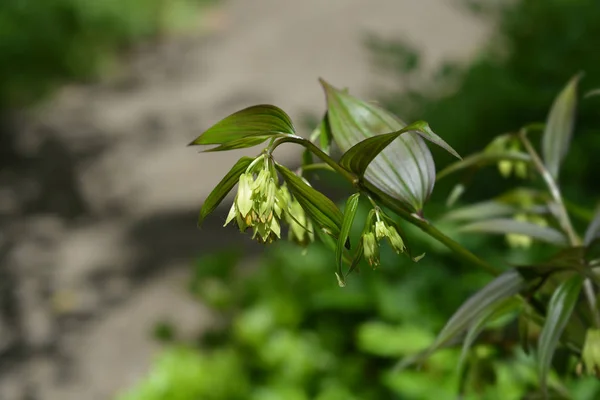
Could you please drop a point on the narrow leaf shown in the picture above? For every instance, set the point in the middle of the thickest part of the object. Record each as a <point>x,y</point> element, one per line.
<point>404,170</point>
<point>357,257</point>
<point>593,230</point>
<point>223,188</point>
<point>507,226</point>
<point>325,135</point>
<point>592,93</point>
<point>477,211</point>
<point>559,127</point>
<point>501,288</point>
<point>240,143</point>
<point>318,206</point>
<point>262,120</point>
<point>349,214</point>
<point>481,160</point>
<point>495,311</point>
<point>560,309</point>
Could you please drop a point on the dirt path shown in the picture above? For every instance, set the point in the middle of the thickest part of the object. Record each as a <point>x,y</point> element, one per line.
<point>91,289</point>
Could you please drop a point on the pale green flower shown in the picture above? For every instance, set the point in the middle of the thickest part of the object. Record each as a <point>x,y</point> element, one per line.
<point>371,249</point>
<point>591,353</point>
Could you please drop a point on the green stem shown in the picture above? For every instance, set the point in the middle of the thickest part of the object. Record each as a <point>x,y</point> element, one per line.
<point>391,203</point>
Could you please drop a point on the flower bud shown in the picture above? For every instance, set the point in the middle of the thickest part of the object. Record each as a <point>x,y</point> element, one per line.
<point>371,249</point>
<point>395,240</point>
<point>591,353</point>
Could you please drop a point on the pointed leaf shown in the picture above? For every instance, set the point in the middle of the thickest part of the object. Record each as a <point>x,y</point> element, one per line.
<point>559,127</point>
<point>560,309</point>
<point>501,288</point>
<point>357,257</point>
<point>404,170</point>
<point>359,156</point>
<point>240,143</point>
<point>262,120</point>
<point>507,226</point>
<point>493,312</point>
<point>323,133</point>
<point>485,209</point>
<point>593,230</point>
<point>482,159</point>
<point>349,214</point>
<point>223,188</point>
<point>318,206</point>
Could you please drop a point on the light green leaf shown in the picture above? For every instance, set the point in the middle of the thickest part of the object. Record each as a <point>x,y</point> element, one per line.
<point>349,214</point>
<point>507,226</point>
<point>592,93</point>
<point>323,133</point>
<point>501,288</point>
<point>359,156</point>
<point>560,309</point>
<point>559,127</point>
<point>593,230</point>
<point>477,211</point>
<point>404,170</point>
<point>479,160</point>
<point>223,188</point>
<point>318,206</point>
<point>262,121</point>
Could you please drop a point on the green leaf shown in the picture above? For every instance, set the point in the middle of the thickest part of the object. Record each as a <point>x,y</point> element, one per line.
<point>501,288</point>
<point>240,143</point>
<point>593,230</point>
<point>508,226</point>
<point>356,259</point>
<point>560,309</point>
<point>223,188</point>
<point>262,120</point>
<point>592,93</point>
<point>349,214</point>
<point>494,312</point>
<point>323,133</point>
<point>405,169</point>
<point>477,211</point>
<point>559,127</point>
<point>359,156</point>
<point>482,159</point>
<point>318,206</point>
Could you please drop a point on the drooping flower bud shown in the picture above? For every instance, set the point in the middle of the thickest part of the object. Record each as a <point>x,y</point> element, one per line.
<point>591,353</point>
<point>371,249</point>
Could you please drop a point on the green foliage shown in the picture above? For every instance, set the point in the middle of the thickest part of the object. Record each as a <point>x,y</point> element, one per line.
<point>45,43</point>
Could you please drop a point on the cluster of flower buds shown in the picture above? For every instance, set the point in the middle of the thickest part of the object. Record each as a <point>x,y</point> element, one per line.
<point>508,143</point>
<point>516,240</point>
<point>261,203</point>
<point>379,226</point>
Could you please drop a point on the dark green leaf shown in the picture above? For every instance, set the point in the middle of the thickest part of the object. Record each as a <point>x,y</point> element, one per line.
<point>318,206</point>
<point>508,226</point>
<point>323,133</point>
<point>482,159</point>
<point>349,214</point>
<point>262,120</point>
<point>357,257</point>
<point>502,287</point>
<point>359,156</point>
<point>560,309</point>
<point>404,170</point>
<point>223,188</point>
<point>559,127</point>
<point>240,143</point>
<point>593,230</point>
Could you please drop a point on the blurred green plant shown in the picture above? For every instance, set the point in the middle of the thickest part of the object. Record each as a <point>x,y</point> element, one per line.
<point>46,43</point>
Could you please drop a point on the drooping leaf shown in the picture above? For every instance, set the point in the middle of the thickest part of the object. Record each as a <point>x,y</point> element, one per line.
<point>508,226</point>
<point>318,206</point>
<point>223,188</point>
<point>359,156</point>
<point>349,214</point>
<point>559,127</point>
<point>502,287</point>
<point>404,170</point>
<point>495,311</point>
<point>479,160</point>
<point>263,120</point>
<point>560,308</point>
<point>482,210</point>
<point>593,230</point>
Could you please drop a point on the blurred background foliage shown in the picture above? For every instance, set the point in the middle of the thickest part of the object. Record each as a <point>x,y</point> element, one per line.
<point>288,331</point>
<point>46,43</point>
